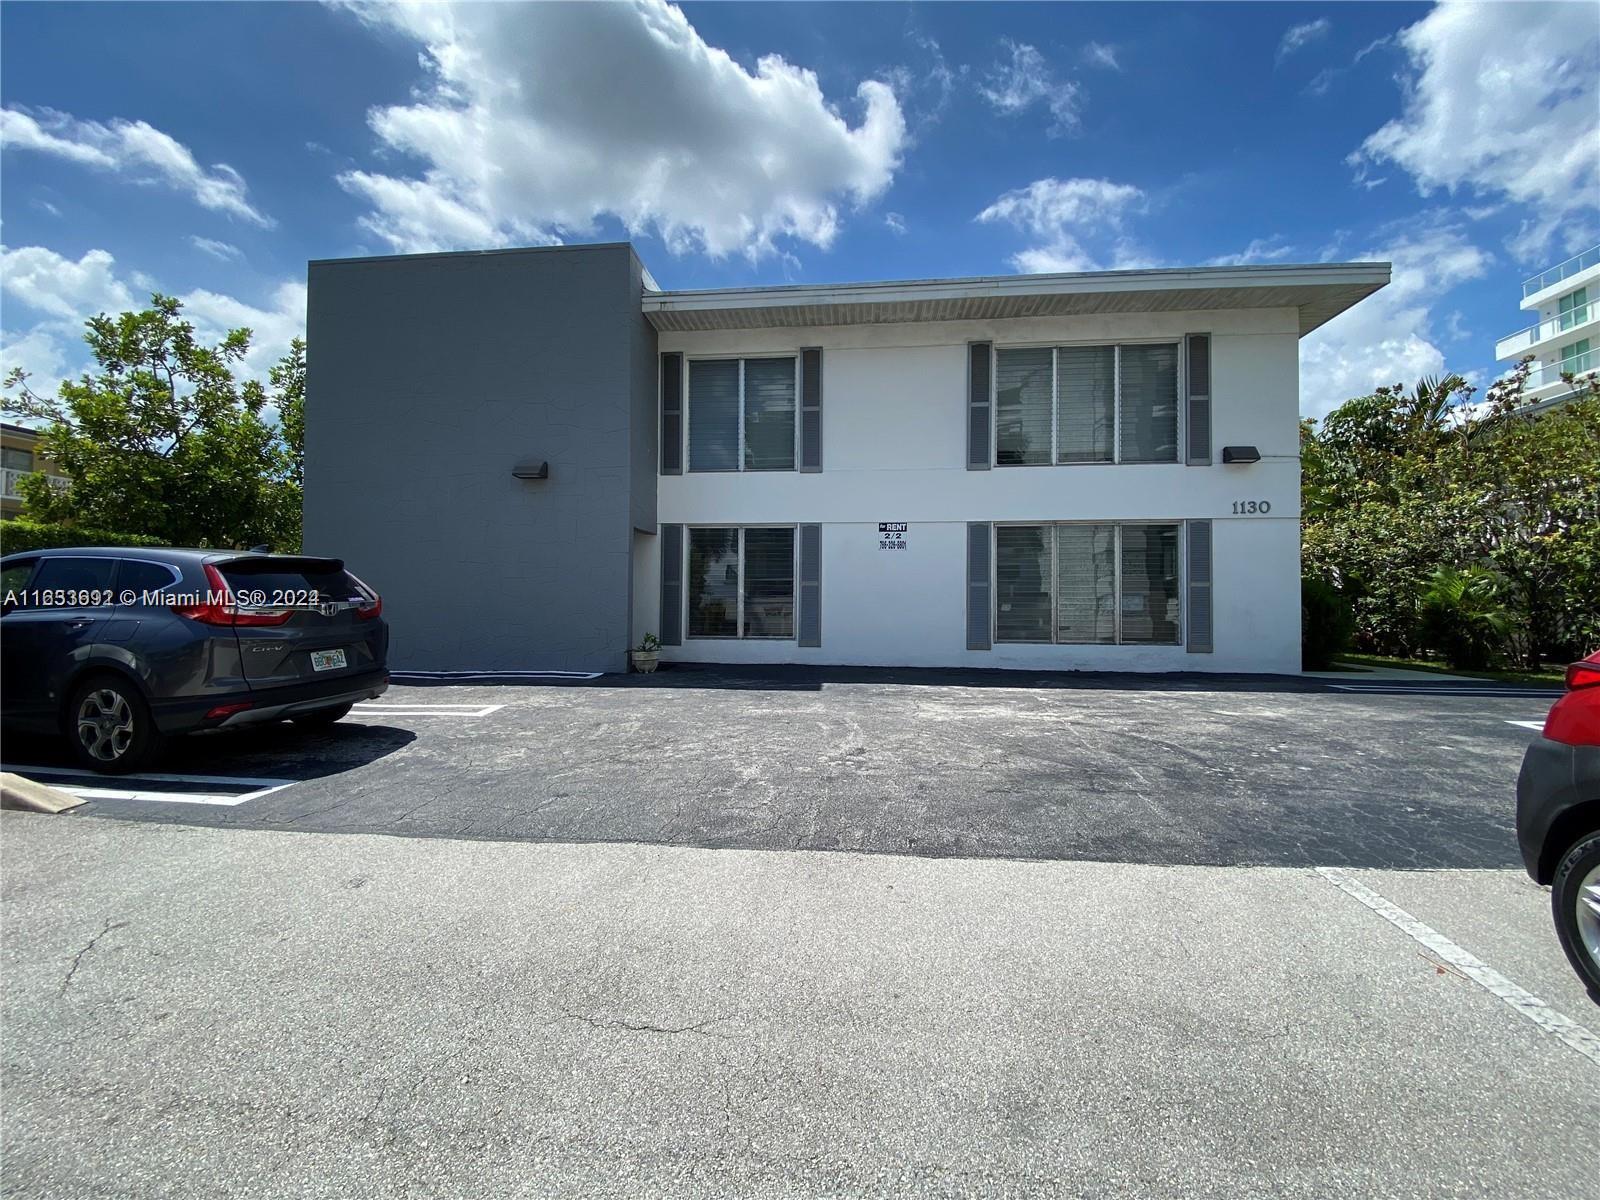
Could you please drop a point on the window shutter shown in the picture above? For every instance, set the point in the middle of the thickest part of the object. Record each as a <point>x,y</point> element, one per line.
<point>1199,399</point>
<point>811,410</point>
<point>672,414</point>
<point>978,423</point>
<point>1200,608</point>
<point>810,624</point>
<point>978,618</point>
<point>671,585</point>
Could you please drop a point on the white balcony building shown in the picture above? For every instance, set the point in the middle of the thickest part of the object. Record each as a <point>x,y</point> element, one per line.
<point>1565,337</point>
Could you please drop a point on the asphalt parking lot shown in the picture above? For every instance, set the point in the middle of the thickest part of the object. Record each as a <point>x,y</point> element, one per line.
<point>1176,770</point>
<point>746,933</point>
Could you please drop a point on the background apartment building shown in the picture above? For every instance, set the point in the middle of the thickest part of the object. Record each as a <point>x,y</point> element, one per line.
<point>1566,336</point>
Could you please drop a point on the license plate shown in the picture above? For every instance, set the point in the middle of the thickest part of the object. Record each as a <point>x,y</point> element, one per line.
<point>327,660</point>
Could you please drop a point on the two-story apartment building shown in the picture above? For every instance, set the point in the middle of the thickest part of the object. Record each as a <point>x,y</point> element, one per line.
<point>538,457</point>
<point>1565,337</point>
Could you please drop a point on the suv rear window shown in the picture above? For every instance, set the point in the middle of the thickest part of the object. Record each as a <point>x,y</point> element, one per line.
<point>287,576</point>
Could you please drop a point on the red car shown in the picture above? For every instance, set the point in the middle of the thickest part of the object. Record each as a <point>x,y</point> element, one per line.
<point>1558,817</point>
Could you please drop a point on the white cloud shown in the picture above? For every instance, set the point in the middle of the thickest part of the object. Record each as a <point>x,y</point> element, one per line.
<point>1260,250</point>
<point>1387,338</point>
<point>1504,100</point>
<point>895,222</point>
<point>1016,86</point>
<point>61,288</point>
<point>66,293</point>
<point>225,251</point>
<point>525,138</point>
<point>1059,213</point>
<point>1099,54</point>
<point>131,148</point>
<point>1296,37</point>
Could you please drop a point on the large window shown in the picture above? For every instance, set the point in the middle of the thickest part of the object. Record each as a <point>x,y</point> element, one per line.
<point>15,459</point>
<point>1573,308</point>
<point>1081,583</point>
<point>741,583</point>
<point>741,414</point>
<point>1086,404</point>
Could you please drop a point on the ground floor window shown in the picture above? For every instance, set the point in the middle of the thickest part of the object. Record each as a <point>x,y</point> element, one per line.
<point>1108,584</point>
<point>741,582</point>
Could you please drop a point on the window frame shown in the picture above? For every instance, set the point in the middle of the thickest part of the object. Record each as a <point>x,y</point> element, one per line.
<point>1179,341</point>
<point>1182,585</point>
<point>794,583</point>
<point>739,450</point>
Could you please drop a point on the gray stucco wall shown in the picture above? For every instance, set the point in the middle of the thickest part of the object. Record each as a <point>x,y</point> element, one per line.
<point>428,378</point>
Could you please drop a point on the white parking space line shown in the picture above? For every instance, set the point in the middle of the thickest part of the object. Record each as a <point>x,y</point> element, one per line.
<point>379,708</point>
<point>489,676</point>
<point>1537,725</point>
<point>1536,1010</point>
<point>111,788</point>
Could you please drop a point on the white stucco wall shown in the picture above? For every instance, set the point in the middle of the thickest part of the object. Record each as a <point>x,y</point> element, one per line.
<point>894,449</point>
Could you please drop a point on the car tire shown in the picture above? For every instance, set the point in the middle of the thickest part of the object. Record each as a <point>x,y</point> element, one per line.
<point>323,717</point>
<point>1575,903</point>
<point>109,726</point>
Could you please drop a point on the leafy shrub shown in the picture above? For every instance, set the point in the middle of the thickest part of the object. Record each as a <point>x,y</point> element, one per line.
<point>1326,623</point>
<point>1464,617</point>
<point>17,536</point>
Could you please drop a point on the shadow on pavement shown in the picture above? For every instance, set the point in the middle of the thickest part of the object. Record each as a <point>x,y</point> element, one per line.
<point>280,751</point>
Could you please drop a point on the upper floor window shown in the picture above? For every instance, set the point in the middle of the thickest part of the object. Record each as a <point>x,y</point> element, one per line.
<point>1086,404</point>
<point>15,459</point>
<point>1573,309</point>
<point>742,414</point>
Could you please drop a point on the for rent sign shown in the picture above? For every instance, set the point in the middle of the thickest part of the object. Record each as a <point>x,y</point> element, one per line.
<point>891,535</point>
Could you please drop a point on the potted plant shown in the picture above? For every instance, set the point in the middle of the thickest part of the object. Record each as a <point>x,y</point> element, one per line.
<point>647,655</point>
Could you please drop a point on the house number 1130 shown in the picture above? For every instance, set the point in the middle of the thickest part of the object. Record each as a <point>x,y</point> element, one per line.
<point>1249,508</point>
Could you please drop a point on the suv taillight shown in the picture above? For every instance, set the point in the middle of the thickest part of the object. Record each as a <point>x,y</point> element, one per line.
<point>1583,674</point>
<point>220,607</point>
<point>371,603</point>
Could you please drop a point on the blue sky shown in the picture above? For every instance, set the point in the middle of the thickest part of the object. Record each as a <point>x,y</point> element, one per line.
<point>209,150</point>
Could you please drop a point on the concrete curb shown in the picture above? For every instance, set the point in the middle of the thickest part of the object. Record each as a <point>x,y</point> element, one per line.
<point>25,794</point>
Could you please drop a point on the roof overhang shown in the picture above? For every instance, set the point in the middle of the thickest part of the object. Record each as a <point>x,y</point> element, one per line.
<point>1318,291</point>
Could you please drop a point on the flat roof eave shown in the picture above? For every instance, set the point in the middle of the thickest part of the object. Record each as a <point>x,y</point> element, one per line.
<point>1320,291</point>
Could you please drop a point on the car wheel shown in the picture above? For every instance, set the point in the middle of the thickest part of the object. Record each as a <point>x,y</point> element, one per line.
<point>1575,900</point>
<point>322,717</point>
<point>109,726</point>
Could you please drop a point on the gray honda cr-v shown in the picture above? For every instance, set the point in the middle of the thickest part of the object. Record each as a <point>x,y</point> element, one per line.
<point>118,649</point>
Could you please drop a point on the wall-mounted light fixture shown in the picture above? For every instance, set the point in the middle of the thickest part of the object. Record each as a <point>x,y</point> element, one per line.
<point>1240,454</point>
<point>532,469</point>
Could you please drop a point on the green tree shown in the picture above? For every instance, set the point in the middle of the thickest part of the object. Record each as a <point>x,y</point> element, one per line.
<point>1398,487</point>
<point>162,440</point>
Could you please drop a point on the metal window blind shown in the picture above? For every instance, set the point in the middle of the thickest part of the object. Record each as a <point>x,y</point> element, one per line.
<point>1150,599</point>
<point>1086,584</point>
<point>1022,419</point>
<point>1149,393</point>
<point>713,583</point>
<point>769,408</point>
<point>714,415</point>
<point>1086,403</point>
<point>769,583</point>
<point>1022,571</point>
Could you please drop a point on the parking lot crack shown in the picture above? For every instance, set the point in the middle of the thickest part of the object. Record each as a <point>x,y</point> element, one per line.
<point>77,959</point>
<point>699,1027</point>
